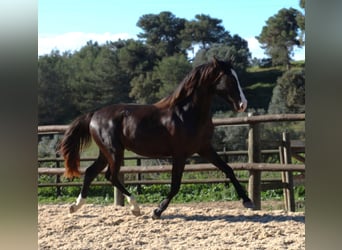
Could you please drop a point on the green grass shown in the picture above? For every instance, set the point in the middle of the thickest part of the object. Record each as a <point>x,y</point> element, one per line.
<point>154,194</point>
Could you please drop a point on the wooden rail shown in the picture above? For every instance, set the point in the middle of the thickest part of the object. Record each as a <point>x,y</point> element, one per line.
<point>216,121</point>
<point>190,168</point>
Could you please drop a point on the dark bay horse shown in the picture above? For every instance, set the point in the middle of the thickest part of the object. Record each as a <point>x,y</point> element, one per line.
<point>177,126</point>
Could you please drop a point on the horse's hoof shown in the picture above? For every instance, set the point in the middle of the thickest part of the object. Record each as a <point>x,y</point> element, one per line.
<point>72,209</point>
<point>249,205</point>
<point>155,215</point>
<point>136,212</point>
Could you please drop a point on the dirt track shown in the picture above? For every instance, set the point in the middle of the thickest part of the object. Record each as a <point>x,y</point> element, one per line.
<point>223,225</point>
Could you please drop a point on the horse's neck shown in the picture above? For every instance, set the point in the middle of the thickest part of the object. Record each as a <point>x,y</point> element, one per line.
<point>198,109</point>
<point>199,105</point>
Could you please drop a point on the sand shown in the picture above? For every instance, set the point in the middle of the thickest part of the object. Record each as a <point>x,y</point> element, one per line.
<point>219,225</point>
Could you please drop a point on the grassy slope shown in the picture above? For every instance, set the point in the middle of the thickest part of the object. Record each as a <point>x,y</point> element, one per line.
<point>259,83</point>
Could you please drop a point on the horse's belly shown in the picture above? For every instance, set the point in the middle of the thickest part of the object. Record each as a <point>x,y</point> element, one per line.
<point>149,147</point>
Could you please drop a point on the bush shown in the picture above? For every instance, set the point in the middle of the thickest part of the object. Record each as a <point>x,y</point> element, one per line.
<point>289,93</point>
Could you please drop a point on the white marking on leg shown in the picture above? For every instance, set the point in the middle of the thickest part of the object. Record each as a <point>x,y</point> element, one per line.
<point>243,104</point>
<point>134,207</point>
<point>79,203</point>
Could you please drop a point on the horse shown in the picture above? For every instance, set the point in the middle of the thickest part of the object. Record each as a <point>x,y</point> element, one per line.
<point>177,126</point>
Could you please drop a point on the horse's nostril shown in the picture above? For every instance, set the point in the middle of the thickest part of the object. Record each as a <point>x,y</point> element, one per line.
<point>242,106</point>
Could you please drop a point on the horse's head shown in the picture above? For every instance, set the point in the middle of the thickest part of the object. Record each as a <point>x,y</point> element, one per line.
<point>227,85</point>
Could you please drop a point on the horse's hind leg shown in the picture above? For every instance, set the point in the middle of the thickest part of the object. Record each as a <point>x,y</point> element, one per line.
<point>115,159</point>
<point>113,151</point>
<point>90,173</point>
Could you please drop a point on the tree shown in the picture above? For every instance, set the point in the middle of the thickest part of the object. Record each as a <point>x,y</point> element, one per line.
<point>289,93</point>
<point>114,81</point>
<point>151,86</point>
<point>135,57</point>
<point>280,34</point>
<point>145,88</point>
<point>54,102</point>
<point>237,52</point>
<point>97,78</point>
<point>170,71</point>
<point>301,22</point>
<point>162,32</point>
<point>204,31</point>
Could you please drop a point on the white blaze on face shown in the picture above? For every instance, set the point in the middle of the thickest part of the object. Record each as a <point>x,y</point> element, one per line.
<point>243,104</point>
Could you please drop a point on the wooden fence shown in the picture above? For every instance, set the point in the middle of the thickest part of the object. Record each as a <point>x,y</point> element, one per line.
<point>287,149</point>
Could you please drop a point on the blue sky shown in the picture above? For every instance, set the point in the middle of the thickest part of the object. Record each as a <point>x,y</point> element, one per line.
<point>69,24</point>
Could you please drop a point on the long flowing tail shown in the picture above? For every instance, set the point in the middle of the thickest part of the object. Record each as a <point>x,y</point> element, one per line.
<point>76,138</point>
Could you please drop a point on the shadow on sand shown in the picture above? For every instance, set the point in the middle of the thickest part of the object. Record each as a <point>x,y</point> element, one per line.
<point>266,218</point>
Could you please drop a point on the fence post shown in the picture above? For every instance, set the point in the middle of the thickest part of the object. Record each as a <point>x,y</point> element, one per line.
<point>287,176</point>
<point>254,156</point>
<point>139,191</point>
<point>58,179</point>
<point>119,199</point>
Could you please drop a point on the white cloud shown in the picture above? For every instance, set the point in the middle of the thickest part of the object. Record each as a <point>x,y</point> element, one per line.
<point>299,54</point>
<point>254,48</point>
<point>72,41</point>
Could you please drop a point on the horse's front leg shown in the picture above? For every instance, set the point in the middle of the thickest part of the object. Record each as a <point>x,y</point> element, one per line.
<point>210,154</point>
<point>177,172</point>
<point>91,172</point>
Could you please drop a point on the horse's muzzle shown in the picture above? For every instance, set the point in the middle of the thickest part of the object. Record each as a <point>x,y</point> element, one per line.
<point>242,106</point>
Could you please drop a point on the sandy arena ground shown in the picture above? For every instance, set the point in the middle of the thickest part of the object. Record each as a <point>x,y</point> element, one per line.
<point>219,225</point>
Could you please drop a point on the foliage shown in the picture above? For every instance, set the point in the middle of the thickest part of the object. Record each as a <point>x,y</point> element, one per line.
<point>98,79</point>
<point>261,82</point>
<point>135,57</point>
<point>239,56</point>
<point>162,31</point>
<point>301,22</point>
<point>71,84</point>
<point>156,193</point>
<point>53,89</point>
<point>153,85</point>
<point>289,93</point>
<point>280,34</point>
<point>204,31</point>
<point>145,88</point>
<point>47,146</point>
<point>170,71</point>
<point>229,138</point>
